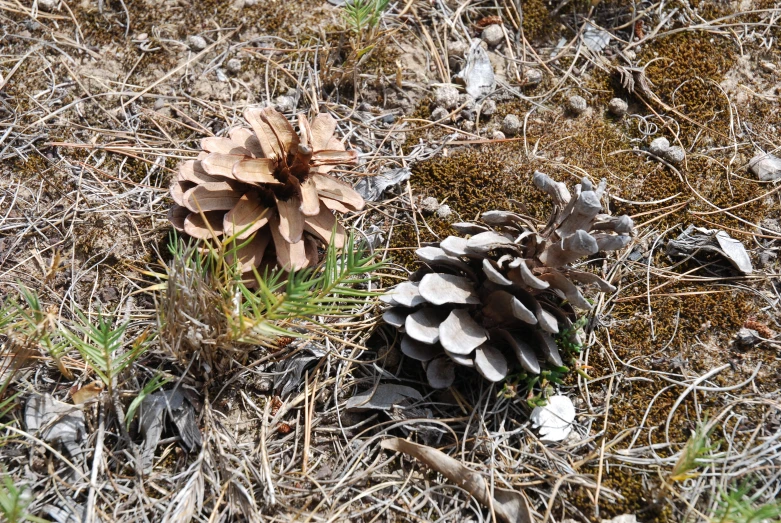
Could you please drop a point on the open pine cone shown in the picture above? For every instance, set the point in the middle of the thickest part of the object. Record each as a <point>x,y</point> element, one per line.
<point>507,288</point>
<point>267,175</point>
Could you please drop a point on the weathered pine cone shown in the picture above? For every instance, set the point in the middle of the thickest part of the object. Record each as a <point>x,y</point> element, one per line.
<point>267,175</point>
<point>507,288</point>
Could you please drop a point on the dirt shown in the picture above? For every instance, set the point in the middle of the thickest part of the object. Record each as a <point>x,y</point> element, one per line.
<point>99,114</point>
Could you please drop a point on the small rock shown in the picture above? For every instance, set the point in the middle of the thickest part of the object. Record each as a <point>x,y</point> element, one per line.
<point>388,118</point>
<point>439,113</point>
<point>233,66</point>
<point>659,146</point>
<point>468,112</point>
<point>675,155</point>
<point>631,55</point>
<point>196,42</point>
<point>445,212</point>
<point>48,5</point>
<point>468,126</point>
<point>617,107</point>
<point>511,125</point>
<point>159,103</point>
<point>532,77</point>
<point>497,135</point>
<point>770,67</point>
<point>285,104</point>
<point>429,205</point>
<point>624,518</point>
<point>493,35</point>
<point>746,338</point>
<point>108,294</point>
<point>457,48</point>
<point>363,106</point>
<point>488,108</point>
<point>766,167</point>
<point>577,104</point>
<point>446,96</point>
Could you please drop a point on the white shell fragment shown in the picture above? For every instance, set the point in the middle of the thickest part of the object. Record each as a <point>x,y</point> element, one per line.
<point>490,363</point>
<point>423,325</point>
<point>441,373</point>
<point>554,420</point>
<point>460,334</point>
<point>447,288</point>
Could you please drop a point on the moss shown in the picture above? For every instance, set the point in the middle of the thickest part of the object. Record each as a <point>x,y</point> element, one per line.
<point>640,497</point>
<point>685,70</point>
<point>537,22</point>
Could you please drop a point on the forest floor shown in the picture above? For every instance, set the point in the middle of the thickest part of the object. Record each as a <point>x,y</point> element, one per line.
<point>677,394</point>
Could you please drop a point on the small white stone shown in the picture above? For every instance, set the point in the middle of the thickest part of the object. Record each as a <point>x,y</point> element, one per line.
<point>498,135</point>
<point>659,146</point>
<point>48,5</point>
<point>429,205</point>
<point>493,35</point>
<point>196,42</point>
<point>511,125</point>
<point>532,77</point>
<point>439,113</point>
<point>457,49</point>
<point>488,108</point>
<point>468,126</point>
<point>446,96</point>
<point>674,155</point>
<point>233,66</point>
<point>577,104</point>
<point>770,67</point>
<point>285,104</point>
<point>445,212</point>
<point>617,107</point>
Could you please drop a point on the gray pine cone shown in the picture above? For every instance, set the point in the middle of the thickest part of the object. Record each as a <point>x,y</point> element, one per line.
<point>504,288</point>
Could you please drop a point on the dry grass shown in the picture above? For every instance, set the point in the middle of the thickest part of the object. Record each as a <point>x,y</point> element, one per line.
<point>100,101</point>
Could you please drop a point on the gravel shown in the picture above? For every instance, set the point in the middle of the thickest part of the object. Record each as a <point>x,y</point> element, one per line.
<point>446,96</point>
<point>532,77</point>
<point>233,66</point>
<point>493,35</point>
<point>617,107</point>
<point>511,125</point>
<point>659,147</point>
<point>577,104</point>
<point>196,42</point>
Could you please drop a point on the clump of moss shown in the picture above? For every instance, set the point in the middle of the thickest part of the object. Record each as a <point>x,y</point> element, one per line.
<point>640,497</point>
<point>685,70</point>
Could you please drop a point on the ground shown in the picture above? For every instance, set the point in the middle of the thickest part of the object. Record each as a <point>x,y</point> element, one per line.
<point>101,100</point>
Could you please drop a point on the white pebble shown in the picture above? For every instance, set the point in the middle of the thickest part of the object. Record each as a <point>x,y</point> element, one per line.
<point>674,155</point>
<point>429,205</point>
<point>233,66</point>
<point>444,212</point>
<point>48,5</point>
<point>617,107</point>
<point>285,104</point>
<point>439,113</point>
<point>511,125</point>
<point>498,135</point>
<point>488,108</point>
<point>532,77</point>
<point>577,104</point>
<point>446,96</point>
<point>196,42</point>
<point>493,35</point>
<point>659,146</point>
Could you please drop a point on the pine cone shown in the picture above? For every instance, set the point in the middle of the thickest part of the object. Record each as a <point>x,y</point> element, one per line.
<point>507,288</point>
<point>271,176</point>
